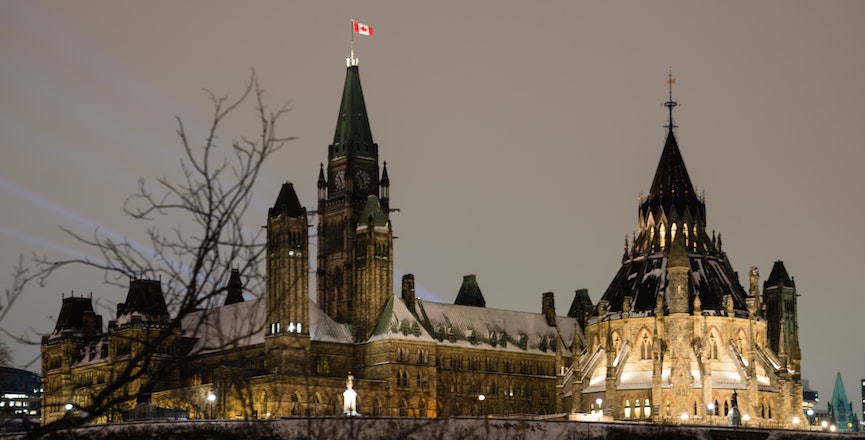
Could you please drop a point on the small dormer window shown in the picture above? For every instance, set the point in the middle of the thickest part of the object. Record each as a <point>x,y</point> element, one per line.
<point>472,336</point>
<point>524,339</point>
<point>542,343</point>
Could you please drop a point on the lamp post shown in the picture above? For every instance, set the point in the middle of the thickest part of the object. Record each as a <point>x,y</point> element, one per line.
<point>481,399</point>
<point>210,398</point>
<point>710,410</point>
<point>599,402</point>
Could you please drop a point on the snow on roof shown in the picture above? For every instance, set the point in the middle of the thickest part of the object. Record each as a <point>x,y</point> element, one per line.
<point>235,325</point>
<point>397,322</point>
<point>494,329</point>
<point>324,328</point>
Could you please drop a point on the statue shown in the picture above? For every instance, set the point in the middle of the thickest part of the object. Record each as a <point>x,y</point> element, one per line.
<point>734,418</point>
<point>349,397</point>
<point>754,277</point>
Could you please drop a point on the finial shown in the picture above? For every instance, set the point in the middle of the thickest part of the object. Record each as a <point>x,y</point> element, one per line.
<point>670,103</point>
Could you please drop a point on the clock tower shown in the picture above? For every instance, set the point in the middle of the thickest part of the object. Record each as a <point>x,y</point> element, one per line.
<point>351,176</point>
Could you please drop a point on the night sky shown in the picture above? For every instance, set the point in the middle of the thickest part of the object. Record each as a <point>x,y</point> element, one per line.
<point>518,135</point>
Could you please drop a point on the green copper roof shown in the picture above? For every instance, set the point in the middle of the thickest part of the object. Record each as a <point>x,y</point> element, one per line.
<point>470,293</point>
<point>352,124</point>
<point>373,210</point>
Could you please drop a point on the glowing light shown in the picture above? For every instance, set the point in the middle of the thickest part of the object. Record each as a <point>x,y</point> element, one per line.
<point>482,397</point>
<point>684,416</point>
<point>69,407</point>
<point>795,420</point>
<point>211,397</point>
<point>746,417</point>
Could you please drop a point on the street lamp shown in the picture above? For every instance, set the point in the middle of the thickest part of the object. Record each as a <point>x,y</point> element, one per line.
<point>598,402</point>
<point>481,399</point>
<point>210,398</point>
<point>69,407</point>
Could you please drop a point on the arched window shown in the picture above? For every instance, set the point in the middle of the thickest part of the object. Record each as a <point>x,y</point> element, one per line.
<point>316,405</point>
<point>295,404</point>
<point>726,408</point>
<point>713,347</point>
<point>716,407</point>
<point>685,232</point>
<point>663,231</point>
<point>645,347</point>
<point>627,409</point>
<point>403,408</point>
<point>668,409</point>
<point>647,409</point>
<point>695,407</point>
<point>422,409</point>
<point>376,407</point>
<point>769,405</point>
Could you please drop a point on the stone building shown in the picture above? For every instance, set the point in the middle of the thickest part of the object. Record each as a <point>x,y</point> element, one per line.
<point>675,335</point>
<point>674,331</point>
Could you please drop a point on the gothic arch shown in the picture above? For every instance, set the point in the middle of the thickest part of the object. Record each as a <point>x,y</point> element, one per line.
<point>316,407</point>
<point>422,408</point>
<point>376,407</point>
<point>644,342</point>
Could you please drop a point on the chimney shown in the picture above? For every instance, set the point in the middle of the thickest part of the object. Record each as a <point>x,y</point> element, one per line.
<point>408,291</point>
<point>548,308</point>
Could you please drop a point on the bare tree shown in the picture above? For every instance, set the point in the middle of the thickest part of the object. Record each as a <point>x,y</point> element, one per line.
<point>205,208</point>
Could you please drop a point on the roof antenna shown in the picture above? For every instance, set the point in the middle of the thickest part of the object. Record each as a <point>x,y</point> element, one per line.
<point>670,103</point>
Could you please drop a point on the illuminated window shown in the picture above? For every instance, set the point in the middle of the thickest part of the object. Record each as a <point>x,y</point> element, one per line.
<point>647,411</point>
<point>627,409</point>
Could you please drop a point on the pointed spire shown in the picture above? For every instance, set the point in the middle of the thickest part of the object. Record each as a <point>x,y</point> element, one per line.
<point>778,277</point>
<point>352,125</point>
<point>322,182</point>
<point>672,193</point>
<point>286,203</point>
<point>385,180</point>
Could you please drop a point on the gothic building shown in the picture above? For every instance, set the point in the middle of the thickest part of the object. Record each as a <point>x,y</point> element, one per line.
<point>673,333</point>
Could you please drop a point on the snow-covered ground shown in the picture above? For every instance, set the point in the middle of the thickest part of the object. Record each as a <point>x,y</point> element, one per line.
<point>363,428</point>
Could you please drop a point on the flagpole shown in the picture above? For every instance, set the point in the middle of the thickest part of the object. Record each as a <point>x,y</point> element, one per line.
<point>352,61</point>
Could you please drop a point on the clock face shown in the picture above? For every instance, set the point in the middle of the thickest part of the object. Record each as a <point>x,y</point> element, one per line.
<point>339,180</point>
<point>361,179</point>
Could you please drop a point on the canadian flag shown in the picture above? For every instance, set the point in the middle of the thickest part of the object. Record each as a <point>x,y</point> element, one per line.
<point>362,29</point>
